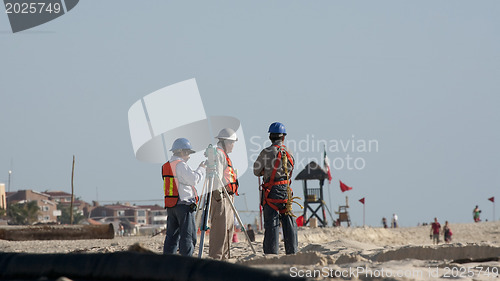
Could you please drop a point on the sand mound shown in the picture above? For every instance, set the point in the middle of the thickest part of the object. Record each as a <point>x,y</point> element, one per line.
<point>377,236</point>
<point>445,252</point>
<point>309,258</point>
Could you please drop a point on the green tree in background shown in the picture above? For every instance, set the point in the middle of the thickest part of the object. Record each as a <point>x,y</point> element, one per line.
<point>66,215</point>
<point>23,213</point>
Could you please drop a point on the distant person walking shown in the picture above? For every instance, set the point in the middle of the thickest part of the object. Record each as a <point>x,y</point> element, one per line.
<point>394,220</point>
<point>384,222</point>
<point>475,214</point>
<point>435,230</point>
<point>447,232</point>
<point>251,233</point>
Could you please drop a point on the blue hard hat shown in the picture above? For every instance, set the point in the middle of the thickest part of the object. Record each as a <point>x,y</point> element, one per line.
<point>182,143</point>
<point>277,128</point>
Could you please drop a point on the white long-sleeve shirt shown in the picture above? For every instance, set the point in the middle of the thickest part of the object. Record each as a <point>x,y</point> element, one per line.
<point>187,179</point>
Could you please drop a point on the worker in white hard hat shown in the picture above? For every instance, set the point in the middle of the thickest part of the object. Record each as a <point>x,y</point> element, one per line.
<point>221,213</point>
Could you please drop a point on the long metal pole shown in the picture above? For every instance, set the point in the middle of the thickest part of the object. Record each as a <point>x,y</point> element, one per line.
<point>363,214</point>
<point>206,213</point>
<point>330,195</point>
<point>324,203</point>
<point>10,173</point>
<point>72,192</point>
<point>210,153</point>
<point>329,191</point>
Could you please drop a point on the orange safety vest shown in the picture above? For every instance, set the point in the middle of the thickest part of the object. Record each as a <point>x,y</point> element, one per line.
<point>170,184</point>
<point>230,180</point>
<point>268,185</point>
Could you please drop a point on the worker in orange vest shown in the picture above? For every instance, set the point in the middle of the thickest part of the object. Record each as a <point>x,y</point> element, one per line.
<point>221,213</point>
<point>181,199</point>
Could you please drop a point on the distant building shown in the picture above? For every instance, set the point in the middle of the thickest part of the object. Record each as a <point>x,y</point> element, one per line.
<point>157,215</point>
<point>108,212</point>
<point>120,212</point>
<point>140,215</point>
<point>59,196</point>
<point>48,208</point>
<point>80,207</point>
<point>131,217</point>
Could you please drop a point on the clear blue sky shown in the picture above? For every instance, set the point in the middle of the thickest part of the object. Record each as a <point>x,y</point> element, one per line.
<point>419,77</point>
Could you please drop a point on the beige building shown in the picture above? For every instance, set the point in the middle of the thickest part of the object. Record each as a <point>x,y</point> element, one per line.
<point>79,206</point>
<point>157,215</point>
<point>120,212</point>
<point>48,208</point>
<point>3,199</point>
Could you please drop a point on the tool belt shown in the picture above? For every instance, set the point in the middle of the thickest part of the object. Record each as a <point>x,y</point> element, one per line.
<point>276,195</point>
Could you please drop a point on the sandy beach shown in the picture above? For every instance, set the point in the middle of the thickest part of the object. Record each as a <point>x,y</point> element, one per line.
<point>349,253</point>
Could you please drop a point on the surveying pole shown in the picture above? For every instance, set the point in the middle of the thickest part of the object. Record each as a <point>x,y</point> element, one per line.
<point>210,153</point>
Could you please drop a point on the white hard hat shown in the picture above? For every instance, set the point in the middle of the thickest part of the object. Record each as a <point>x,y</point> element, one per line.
<point>227,134</point>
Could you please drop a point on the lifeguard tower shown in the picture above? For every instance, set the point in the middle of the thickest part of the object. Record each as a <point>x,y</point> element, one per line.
<point>313,196</point>
<point>343,213</point>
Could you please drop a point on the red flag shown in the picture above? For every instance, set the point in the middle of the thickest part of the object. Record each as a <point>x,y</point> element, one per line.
<point>362,200</point>
<point>492,199</point>
<point>326,164</point>
<point>344,187</point>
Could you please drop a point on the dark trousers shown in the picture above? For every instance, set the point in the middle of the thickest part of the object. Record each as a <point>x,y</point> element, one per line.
<point>272,220</point>
<point>181,231</point>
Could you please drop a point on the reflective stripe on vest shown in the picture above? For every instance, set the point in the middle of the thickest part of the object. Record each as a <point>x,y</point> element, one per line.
<point>269,185</point>
<point>170,184</point>
<point>230,179</point>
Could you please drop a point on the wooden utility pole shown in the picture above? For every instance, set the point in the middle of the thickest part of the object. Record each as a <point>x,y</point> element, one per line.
<point>72,192</point>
